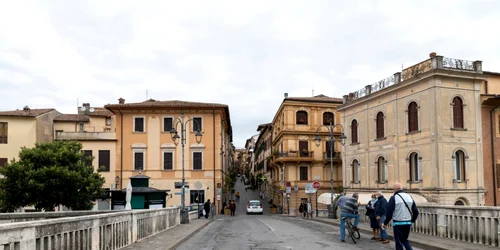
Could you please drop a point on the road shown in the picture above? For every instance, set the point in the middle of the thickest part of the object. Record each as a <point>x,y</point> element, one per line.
<point>272,232</point>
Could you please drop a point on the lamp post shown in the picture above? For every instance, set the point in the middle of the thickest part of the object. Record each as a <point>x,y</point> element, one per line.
<point>317,140</point>
<point>175,136</point>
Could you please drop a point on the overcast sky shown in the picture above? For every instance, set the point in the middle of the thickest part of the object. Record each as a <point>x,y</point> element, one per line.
<point>245,55</point>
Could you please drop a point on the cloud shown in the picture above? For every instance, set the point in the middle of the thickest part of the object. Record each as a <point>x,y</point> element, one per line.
<point>244,54</point>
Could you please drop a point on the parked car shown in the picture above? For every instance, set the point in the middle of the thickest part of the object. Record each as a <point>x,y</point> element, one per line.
<point>254,207</point>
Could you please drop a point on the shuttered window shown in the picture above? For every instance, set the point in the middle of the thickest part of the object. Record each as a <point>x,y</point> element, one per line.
<point>3,161</point>
<point>197,160</point>
<point>303,174</point>
<point>168,160</point>
<point>327,118</point>
<point>354,131</point>
<point>104,161</point>
<point>380,125</point>
<point>458,113</point>
<point>412,117</point>
<point>301,117</point>
<point>4,132</point>
<point>139,124</point>
<point>87,157</point>
<point>138,160</point>
<point>167,124</point>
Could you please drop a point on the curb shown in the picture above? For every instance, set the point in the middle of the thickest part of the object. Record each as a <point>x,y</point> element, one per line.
<point>185,238</point>
<point>413,243</point>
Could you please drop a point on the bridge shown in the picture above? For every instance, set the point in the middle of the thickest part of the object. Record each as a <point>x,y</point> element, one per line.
<point>440,227</point>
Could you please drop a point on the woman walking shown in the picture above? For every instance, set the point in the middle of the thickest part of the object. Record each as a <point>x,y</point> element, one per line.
<point>370,212</point>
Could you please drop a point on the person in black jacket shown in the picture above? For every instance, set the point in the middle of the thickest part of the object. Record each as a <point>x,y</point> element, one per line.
<point>370,212</point>
<point>380,210</point>
<point>206,207</point>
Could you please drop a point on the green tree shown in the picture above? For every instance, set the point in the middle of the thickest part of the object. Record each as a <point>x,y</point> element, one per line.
<point>48,175</point>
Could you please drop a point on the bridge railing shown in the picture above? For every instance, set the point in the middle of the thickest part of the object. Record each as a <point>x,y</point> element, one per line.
<point>102,231</point>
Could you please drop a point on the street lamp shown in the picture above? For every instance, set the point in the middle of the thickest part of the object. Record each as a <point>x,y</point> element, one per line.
<point>175,136</point>
<point>317,140</point>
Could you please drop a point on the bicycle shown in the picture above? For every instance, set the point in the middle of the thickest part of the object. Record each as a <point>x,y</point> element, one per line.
<point>354,234</point>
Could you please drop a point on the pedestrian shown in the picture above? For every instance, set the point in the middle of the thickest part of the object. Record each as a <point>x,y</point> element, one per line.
<point>302,210</point>
<point>212,210</point>
<point>349,210</point>
<point>238,196</point>
<point>370,212</point>
<point>380,211</point>
<point>206,207</point>
<point>232,207</point>
<point>403,211</point>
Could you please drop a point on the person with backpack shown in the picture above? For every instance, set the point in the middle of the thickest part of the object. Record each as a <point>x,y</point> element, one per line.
<point>403,211</point>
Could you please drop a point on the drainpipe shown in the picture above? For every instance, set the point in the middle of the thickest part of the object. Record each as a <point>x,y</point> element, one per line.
<point>493,152</point>
<point>213,127</point>
<point>121,149</point>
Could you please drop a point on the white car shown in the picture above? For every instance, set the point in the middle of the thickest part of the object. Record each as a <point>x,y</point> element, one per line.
<point>254,207</point>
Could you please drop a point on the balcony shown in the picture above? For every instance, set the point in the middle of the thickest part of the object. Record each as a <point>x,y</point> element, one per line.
<point>294,156</point>
<point>86,136</point>
<point>336,157</point>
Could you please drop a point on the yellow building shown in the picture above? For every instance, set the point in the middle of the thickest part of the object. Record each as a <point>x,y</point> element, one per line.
<point>94,128</point>
<point>421,127</point>
<point>145,145</point>
<point>297,161</point>
<point>263,157</point>
<point>24,128</point>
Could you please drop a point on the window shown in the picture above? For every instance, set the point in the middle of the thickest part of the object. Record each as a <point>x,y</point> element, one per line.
<point>197,160</point>
<point>414,168</point>
<point>355,171</point>
<point>197,124</point>
<point>87,157</point>
<point>460,165</point>
<point>303,174</point>
<point>3,161</point>
<point>412,117</point>
<point>4,132</point>
<point>167,124</point>
<point>168,160</point>
<point>381,170</point>
<point>104,160</point>
<point>108,121</point>
<point>138,160</point>
<point>301,117</point>
<point>138,124</point>
<point>196,196</point>
<point>380,125</point>
<point>329,153</point>
<point>458,113</point>
<point>354,131</point>
<point>327,118</point>
<point>82,127</point>
<point>304,148</point>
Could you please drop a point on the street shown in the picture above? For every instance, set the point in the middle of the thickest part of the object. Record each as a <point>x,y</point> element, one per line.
<point>272,232</point>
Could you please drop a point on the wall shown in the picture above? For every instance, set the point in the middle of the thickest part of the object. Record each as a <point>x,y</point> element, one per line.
<point>45,126</point>
<point>95,146</point>
<point>21,133</point>
<point>491,175</point>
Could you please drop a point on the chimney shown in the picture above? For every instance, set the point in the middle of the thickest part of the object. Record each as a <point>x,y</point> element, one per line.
<point>432,54</point>
<point>121,101</point>
<point>26,108</point>
<point>286,95</point>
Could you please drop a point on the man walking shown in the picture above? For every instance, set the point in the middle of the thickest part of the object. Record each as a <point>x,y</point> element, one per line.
<point>403,211</point>
<point>206,207</point>
<point>349,210</point>
<point>380,210</point>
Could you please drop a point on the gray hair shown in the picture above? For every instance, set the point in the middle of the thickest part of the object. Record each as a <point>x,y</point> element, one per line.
<point>379,192</point>
<point>355,195</point>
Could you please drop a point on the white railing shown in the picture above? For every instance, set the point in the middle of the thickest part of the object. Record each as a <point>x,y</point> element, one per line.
<point>103,231</point>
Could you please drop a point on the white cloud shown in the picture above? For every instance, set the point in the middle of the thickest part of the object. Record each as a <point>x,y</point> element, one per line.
<point>244,54</point>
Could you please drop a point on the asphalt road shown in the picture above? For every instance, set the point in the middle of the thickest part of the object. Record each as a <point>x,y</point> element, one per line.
<point>272,232</point>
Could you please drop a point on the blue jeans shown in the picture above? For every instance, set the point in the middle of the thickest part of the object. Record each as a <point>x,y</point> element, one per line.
<point>342,223</point>
<point>383,232</point>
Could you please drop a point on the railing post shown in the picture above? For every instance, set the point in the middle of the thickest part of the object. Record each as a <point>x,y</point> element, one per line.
<point>95,235</point>
<point>437,62</point>
<point>133,224</point>
<point>368,89</point>
<point>441,224</point>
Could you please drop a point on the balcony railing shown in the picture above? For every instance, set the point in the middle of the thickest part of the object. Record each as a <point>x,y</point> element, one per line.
<point>85,135</point>
<point>294,155</point>
<point>335,156</point>
<point>96,129</point>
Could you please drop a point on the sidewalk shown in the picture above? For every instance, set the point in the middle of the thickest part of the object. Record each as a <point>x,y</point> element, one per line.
<point>171,238</point>
<point>428,242</point>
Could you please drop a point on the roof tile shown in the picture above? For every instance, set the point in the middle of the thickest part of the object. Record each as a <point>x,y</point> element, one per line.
<point>72,118</point>
<point>27,112</point>
<point>151,103</point>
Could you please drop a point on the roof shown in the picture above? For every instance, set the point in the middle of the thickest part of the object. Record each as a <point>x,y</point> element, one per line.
<point>26,112</point>
<point>318,98</point>
<point>98,111</point>
<point>491,73</point>
<point>264,126</point>
<point>72,118</point>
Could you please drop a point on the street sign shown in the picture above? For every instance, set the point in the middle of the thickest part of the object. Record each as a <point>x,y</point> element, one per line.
<point>288,190</point>
<point>219,191</point>
<point>218,197</point>
<point>310,189</point>
<point>198,185</point>
<point>296,187</point>
<point>316,185</point>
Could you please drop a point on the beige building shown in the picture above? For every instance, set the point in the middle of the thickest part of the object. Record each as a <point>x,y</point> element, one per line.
<point>421,127</point>
<point>24,128</point>
<point>263,156</point>
<point>145,145</point>
<point>297,161</point>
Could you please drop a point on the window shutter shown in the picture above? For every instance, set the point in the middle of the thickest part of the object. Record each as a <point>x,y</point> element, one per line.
<point>419,162</point>
<point>458,115</point>
<point>455,167</point>
<point>104,159</point>
<point>386,171</point>
<point>139,124</point>
<point>197,160</point>
<point>167,124</point>
<point>139,161</point>
<point>380,125</point>
<point>168,161</point>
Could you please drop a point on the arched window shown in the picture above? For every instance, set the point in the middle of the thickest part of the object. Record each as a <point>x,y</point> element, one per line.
<point>458,113</point>
<point>327,118</point>
<point>301,117</point>
<point>355,171</point>
<point>459,165</point>
<point>380,125</point>
<point>414,168</point>
<point>381,170</point>
<point>354,131</point>
<point>412,117</point>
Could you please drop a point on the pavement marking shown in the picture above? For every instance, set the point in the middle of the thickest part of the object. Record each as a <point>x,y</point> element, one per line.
<point>272,229</point>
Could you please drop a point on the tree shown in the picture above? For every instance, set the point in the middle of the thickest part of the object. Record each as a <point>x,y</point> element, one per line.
<point>48,175</point>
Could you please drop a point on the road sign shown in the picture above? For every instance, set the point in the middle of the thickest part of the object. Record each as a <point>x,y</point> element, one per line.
<point>296,187</point>
<point>218,197</point>
<point>219,190</point>
<point>310,189</point>
<point>198,185</point>
<point>288,190</point>
<point>316,185</point>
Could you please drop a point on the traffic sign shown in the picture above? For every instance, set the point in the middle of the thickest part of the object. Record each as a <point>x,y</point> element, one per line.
<point>198,185</point>
<point>316,185</point>
<point>310,189</point>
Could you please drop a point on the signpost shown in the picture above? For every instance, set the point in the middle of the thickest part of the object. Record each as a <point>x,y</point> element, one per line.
<point>316,186</point>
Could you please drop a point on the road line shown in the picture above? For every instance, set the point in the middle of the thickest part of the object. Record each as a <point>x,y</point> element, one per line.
<point>272,229</point>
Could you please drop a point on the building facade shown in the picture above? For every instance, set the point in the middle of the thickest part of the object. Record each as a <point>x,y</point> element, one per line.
<point>297,161</point>
<point>263,156</point>
<point>145,144</point>
<point>24,128</point>
<point>421,127</point>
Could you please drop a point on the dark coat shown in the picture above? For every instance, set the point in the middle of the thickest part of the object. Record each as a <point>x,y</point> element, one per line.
<point>206,207</point>
<point>380,206</point>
